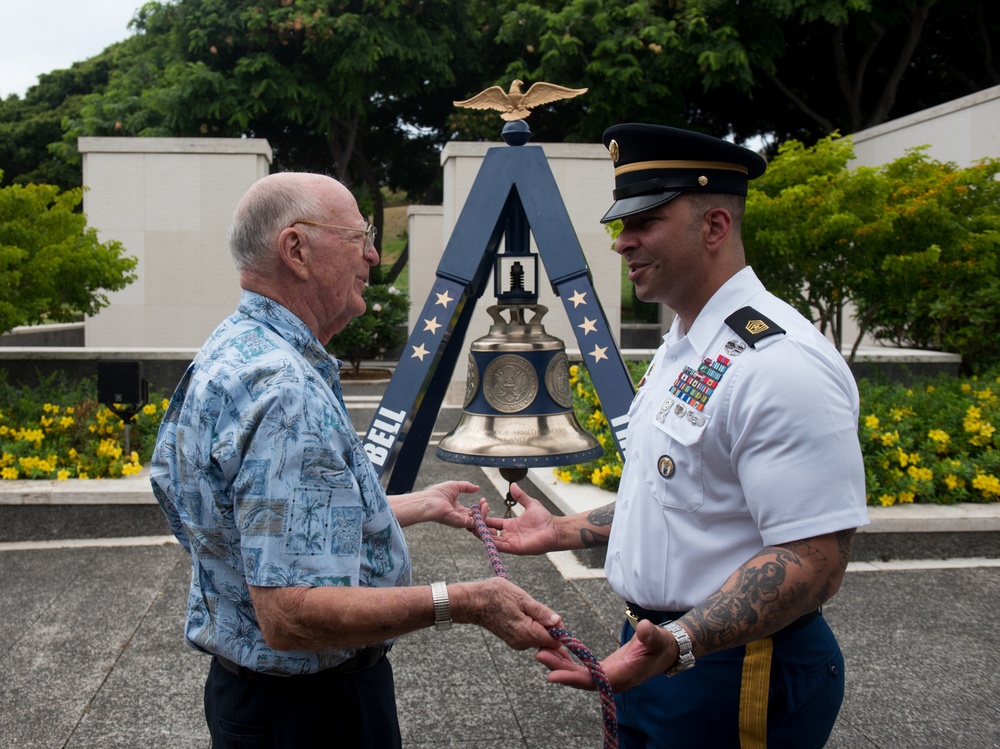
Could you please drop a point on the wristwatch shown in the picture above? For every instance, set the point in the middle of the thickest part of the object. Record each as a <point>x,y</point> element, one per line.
<point>442,606</point>
<point>685,658</point>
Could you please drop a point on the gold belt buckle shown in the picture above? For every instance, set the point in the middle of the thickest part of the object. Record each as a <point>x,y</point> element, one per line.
<point>633,619</point>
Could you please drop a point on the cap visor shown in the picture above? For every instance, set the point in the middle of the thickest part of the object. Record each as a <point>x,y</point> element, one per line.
<point>637,204</point>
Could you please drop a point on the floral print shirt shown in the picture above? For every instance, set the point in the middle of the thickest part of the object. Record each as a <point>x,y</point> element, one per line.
<point>264,482</point>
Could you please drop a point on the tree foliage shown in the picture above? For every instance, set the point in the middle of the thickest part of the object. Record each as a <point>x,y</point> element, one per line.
<point>52,267</point>
<point>913,245</point>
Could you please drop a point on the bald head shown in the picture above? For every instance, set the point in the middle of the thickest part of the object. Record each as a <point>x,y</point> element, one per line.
<point>269,206</point>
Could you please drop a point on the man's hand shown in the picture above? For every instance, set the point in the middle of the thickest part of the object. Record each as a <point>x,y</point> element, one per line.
<point>651,651</point>
<point>505,610</point>
<point>531,532</point>
<point>438,503</point>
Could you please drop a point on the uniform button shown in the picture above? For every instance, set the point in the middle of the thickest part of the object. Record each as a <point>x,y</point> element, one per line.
<point>833,669</point>
<point>618,555</point>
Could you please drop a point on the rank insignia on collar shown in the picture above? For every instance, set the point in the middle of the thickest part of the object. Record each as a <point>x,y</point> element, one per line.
<point>665,466</point>
<point>752,326</point>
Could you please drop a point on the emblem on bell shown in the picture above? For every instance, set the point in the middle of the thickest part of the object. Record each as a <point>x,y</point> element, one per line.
<point>516,418</point>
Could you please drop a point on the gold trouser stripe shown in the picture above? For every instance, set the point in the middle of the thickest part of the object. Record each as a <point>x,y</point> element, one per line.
<point>753,694</point>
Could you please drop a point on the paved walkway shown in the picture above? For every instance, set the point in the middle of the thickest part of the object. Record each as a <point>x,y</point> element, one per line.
<point>94,589</point>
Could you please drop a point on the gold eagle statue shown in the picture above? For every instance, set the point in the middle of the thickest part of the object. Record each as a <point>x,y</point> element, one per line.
<point>515,105</point>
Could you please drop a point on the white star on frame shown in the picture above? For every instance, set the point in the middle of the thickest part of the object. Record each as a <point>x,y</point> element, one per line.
<point>444,299</point>
<point>431,325</point>
<point>578,298</point>
<point>598,353</point>
<point>588,326</point>
<point>419,352</point>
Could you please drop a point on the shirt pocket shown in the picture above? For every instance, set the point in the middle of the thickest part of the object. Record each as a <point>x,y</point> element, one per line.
<point>675,476</point>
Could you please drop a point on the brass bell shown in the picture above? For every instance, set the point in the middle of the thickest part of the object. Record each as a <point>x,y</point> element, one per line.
<point>518,411</point>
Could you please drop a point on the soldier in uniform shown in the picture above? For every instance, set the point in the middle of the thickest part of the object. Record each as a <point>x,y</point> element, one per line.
<point>743,483</point>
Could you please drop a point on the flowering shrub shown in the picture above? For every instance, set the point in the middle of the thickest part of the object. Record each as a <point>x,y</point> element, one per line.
<point>934,442</point>
<point>606,471</point>
<point>60,432</point>
<point>382,328</point>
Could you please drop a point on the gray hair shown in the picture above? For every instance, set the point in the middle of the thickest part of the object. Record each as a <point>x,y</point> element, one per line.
<point>269,207</point>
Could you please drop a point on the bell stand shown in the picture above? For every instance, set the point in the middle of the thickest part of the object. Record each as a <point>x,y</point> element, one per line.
<point>514,192</point>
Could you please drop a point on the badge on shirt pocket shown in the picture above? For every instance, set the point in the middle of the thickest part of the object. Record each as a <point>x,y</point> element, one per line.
<point>675,478</point>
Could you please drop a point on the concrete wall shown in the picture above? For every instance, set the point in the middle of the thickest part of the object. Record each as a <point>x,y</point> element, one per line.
<point>585,178</point>
<point>169,201</point>
<point>963,131</point>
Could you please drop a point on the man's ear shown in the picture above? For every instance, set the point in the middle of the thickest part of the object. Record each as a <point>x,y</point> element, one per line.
<point>718,223</point>
<point>294,251</point>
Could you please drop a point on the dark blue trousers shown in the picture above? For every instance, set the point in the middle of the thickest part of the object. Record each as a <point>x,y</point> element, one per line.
<point>783,692</point>
<point>349,711</point>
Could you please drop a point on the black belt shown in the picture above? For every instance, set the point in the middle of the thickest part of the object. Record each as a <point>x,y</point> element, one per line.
<point>363,659</point>
<point>635,613</point>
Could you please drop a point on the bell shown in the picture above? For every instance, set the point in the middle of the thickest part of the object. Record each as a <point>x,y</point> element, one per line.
<point>518,411</point>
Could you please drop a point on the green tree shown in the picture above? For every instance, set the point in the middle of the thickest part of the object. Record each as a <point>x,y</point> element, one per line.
<point>913,246</point>
<point>338,87</point>
<point>31,127</point>
<point>820,66</point>
<point>52,267</point>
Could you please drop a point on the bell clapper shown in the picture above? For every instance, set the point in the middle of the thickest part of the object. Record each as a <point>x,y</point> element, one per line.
<point>512,475</point>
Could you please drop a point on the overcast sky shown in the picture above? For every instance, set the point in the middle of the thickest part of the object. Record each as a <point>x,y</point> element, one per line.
<point>39,36</point>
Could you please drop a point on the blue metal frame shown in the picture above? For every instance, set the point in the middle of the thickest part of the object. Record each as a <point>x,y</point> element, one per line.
<point>514,183</point>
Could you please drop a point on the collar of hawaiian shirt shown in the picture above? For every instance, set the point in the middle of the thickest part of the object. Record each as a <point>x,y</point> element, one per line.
<point>280,319</point>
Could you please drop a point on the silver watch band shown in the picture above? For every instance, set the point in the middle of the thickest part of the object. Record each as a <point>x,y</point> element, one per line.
<point>442,605</point>
<point>685,658</point>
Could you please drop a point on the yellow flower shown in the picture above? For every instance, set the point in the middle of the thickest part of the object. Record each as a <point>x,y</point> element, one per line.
<point>887,500</point>
<point>889,438</point>
<point>920,474</point>
<point>8,473</point>
<point>953,482</point>
<point>906,497</point>
<point>47,408</point>
<point>149,409</point>
<point>938,435</point>
<point>62,475</point>
<point>966,387</point>
<point>988,484</point>
<point>871,421</point>
<point>164,404</point>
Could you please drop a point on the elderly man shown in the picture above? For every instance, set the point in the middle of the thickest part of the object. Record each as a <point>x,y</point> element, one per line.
<point>300,576</point>
<point>743,483</point>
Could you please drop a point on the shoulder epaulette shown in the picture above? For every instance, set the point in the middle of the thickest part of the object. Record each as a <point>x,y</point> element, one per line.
<point>752,326</point>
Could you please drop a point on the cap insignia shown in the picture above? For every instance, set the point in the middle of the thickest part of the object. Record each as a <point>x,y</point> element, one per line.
<point>613,150</point>
<point>703,180</point>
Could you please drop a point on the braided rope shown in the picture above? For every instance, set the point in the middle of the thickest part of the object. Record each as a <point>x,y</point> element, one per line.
<point>578,649</point>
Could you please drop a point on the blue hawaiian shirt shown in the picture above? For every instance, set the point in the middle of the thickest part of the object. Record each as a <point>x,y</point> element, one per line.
<point>264,482</point>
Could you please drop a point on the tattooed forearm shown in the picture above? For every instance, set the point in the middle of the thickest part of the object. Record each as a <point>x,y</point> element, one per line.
<point>771,590</point>
<point>600,519</point>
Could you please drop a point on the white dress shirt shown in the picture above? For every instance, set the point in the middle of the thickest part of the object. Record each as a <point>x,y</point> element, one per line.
<point>771,456</point>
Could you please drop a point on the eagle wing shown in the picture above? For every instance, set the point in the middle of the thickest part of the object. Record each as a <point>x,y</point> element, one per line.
<point>492,98</point>
<point>545,93</point>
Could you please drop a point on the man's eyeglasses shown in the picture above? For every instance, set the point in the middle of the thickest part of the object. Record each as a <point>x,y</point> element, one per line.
<point>368,231</point>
